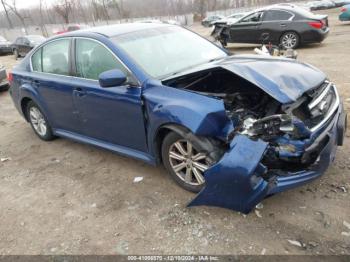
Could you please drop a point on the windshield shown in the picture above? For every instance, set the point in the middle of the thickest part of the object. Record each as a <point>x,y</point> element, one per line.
<point>36,38</point>
<point>164,51</point>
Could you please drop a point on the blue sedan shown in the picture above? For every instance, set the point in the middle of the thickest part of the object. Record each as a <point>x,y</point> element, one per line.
<point>234,129</point>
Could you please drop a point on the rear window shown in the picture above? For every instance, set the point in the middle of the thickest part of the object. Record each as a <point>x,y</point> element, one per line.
<point>305,13</point>
<point>277,15</point>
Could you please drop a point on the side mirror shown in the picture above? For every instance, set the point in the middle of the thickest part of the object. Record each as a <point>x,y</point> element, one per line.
<point>110,78</point>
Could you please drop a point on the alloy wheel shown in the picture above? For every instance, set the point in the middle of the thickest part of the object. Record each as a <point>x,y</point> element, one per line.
<point>187,163</point>
<point>289,40</point>
<point>38,121</point>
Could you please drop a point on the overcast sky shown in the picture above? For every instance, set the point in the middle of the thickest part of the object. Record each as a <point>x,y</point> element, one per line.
<point>29,3</point>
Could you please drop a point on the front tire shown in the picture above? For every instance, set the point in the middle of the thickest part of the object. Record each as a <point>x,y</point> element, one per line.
<point>185,162</point>
<point>289,40</point>
<point>39,122</point>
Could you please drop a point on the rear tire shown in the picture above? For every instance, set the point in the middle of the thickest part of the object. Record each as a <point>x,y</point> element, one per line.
<point>39,122</point>
<point>289,40</point>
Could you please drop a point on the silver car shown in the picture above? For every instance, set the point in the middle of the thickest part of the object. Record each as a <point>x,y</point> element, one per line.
<point>4,85</point>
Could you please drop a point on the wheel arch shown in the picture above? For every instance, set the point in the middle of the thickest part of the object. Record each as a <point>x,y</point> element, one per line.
<point>24,103</point>
<point>162,132</point>
<point>290,31</point>
<point>213,146</point>
<point>27,93</point>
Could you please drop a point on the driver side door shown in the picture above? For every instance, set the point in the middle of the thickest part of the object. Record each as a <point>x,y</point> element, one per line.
<point>112,115</point>
<point>246,30</point>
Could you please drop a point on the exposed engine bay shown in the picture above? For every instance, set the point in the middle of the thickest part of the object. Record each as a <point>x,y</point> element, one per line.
<point>286,127</point>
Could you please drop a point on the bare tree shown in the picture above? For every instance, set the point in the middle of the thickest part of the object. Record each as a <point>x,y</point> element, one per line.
<point>13,8</point>
<point>105,10</point>
<point>42,24</point>
<point>119,5</point>
<point>203,4</point>
<point>81,8</point>
<point>7,14</point>
<point>64,9</point>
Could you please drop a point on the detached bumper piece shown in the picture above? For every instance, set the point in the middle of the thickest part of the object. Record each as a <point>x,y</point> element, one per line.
<point>235,182</point>
<point>239,181</point>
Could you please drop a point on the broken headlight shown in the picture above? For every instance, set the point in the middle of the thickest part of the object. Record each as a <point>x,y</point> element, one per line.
<point>268,127</point>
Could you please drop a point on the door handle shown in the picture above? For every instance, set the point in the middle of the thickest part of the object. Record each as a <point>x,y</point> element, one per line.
<point>79,92</point>
<point>36,81</point>
<point>283,25</point>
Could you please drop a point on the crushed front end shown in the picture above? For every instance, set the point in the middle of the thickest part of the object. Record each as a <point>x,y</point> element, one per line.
<point>286,127</point>
<point>277,152</point>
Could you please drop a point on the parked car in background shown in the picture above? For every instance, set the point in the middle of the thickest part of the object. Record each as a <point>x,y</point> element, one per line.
<point>322,5</point>
<point>71,28</point>
<point>4,85</point>
<point>23,44</point>
<point>171,22</point>
<point>284,25</point>
<point>207,22</point>
<point>236,128</point>
<point>345,13</point>
<point>150,21</point>
<point>229,19</point>
<point>340,3</point>
<point>5,46</point>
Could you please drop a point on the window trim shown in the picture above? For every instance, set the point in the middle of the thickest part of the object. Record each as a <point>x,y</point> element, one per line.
<point>44,44</point>
<point>72,67</point>
<point>251,14</point>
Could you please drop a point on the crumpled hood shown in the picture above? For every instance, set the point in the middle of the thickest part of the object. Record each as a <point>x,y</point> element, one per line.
<point>283,79</point>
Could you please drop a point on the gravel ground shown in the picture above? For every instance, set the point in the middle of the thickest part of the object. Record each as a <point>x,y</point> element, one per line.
<point>63,197</point>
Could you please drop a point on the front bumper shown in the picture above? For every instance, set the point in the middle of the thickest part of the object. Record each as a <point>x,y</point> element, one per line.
<point>236,182</point>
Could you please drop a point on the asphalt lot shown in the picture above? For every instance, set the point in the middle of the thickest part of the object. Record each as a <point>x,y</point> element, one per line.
<point>63,197</point>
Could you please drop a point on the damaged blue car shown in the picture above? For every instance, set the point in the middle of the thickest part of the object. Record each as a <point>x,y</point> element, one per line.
<point>232,128</point>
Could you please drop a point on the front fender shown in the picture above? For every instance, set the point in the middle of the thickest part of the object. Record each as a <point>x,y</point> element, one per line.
<point>202,115</point>
<point>235,182</point>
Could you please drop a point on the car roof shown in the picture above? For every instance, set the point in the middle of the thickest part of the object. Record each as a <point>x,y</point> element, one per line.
<point>286,6</point>
<point>119,29</point>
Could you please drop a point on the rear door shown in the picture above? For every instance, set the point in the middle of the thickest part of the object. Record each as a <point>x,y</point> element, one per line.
<point>51,77</point>
<point>246,30</point>
<point>274,23</point>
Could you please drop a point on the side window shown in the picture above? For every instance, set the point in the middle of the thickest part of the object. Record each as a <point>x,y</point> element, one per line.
<point>93,58</point>
<point>37,61</point>
<point>277,15</point>
<point>256,17</point>
<point>55,57</point>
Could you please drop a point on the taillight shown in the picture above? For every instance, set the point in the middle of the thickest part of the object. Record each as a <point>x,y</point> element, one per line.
<point>10,77</point>
<point>343,10</point>
<point>317,25</point>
